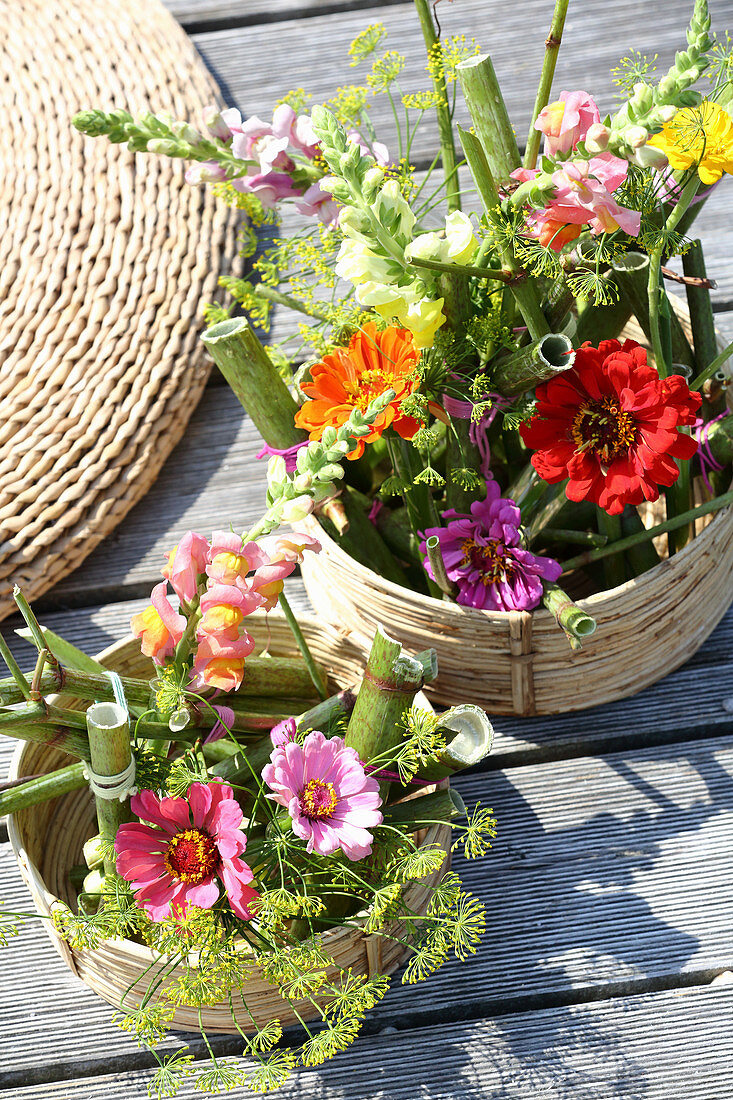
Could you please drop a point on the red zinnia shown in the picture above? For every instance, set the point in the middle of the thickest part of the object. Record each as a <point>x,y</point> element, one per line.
<point>610,425</point>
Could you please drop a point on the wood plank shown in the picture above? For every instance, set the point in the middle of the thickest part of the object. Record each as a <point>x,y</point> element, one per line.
<point>662,1046</point>
<point>593,888</point>
<point>196,15</point>
<point>596,35</point>
<point>689,703</point>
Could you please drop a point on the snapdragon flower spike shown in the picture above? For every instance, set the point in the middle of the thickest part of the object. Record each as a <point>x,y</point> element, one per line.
<point>186,563</point>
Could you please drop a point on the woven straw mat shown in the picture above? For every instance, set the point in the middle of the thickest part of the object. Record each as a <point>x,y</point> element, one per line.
<point>106,258</point>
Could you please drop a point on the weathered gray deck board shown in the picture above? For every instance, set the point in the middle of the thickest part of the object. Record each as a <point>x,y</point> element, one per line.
<point>585,1052</point>
<point>587,896</point>
<point>192,14</point>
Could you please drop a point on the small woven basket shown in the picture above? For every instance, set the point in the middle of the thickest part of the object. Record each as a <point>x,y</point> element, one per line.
<point>520,662</point>
<point>47,841</point>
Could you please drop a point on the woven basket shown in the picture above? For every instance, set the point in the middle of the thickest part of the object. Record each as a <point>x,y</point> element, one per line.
<point>519,662</point>
<point>47,841</point>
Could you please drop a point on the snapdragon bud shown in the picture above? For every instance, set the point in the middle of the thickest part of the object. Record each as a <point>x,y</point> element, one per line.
<point>596,138</point>
<point>215,124</point>
<point>636,136</point>
<point>166,147</point>
<point>186,132</point>
<point>293,511</point>
<point>646,156</point>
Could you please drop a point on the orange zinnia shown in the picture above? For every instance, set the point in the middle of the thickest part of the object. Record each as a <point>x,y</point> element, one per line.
<point>350,378</point>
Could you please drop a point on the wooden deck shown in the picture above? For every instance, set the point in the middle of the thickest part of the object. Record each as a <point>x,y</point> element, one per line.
<point>610,887</point>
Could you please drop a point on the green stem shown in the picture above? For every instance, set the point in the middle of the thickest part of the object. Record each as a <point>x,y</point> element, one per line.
<point>442,110</point>
<point>552,47</point>
<point>315,673</point>
<point>614,568</point>
<point>535,363</point>
<point>655,289</point>
<point>489,115</point>
<point>700,306</point>
<point>497,274</point>
<point>435,557</point>
<point>719,361</point>
<point>566,534</point>
<point>20,680</point>
<point>277,296</point>
<point>21,795</point>
<point>650,533</point>
<point>30,618</point>
<point>524,291</point>
<point>572,620</point>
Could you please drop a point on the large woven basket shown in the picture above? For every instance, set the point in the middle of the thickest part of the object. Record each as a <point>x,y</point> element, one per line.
<point>47,841</point>
<point>520,662</point>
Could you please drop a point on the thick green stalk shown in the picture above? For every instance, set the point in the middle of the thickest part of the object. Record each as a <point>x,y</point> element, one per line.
<point>572,620</point>
<point>597,323</point>
<point>398,536</point>
<point>110,755</point>
<point>53,734</point>
<point>648,534</point>
<point>489,115</point>
<point>553,501</point>
<point>245,364</point>
<point>31,620</point>
<point>614,567</point>
<point>719,438</point>
<point>316,675</point>
<point>655,289</point>
<point>558,304</point>
<point>700,306</point>
<point>524,290</point>
<point>471,742</point>
<point>535,363</point>
<point>391,681</point>
<point>632,273</point>
<point>21,795</point>
<point>442,110</point>
<point>552,46</point>
<point>363,541</point>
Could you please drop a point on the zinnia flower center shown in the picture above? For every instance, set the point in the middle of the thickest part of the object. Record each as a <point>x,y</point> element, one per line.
<point>192,856</point>
<point>370,384</point>
<point>489,560</point>
<point>318,799</point>
<point>602,427</point>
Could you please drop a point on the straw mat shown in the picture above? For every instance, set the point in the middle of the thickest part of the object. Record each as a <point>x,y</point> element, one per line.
<point>105,260</point>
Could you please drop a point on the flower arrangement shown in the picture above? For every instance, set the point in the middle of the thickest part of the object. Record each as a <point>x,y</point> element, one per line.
<point>524,435</point>
<point>244,812</point>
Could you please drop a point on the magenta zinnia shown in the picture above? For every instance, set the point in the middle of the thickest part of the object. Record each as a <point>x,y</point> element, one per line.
<point>330,798</point>
<point>191,845</point>
<point>484,557</point>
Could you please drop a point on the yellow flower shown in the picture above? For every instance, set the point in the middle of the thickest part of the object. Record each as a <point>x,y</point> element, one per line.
<point>699,137</point>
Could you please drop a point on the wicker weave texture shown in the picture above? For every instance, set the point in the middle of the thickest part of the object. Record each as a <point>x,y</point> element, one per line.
<point>105,259</point>
<point>47,841</point>
<point>520,662</point>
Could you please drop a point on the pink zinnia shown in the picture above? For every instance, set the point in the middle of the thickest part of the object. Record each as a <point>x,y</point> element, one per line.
<point>330,798</point>
<point>191,842</point>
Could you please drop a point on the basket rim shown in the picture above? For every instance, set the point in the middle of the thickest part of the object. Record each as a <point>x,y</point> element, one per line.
<point>597,601</point>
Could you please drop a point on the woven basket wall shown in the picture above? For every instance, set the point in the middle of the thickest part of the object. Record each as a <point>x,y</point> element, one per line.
<point>47,841</point>
<point>520,662</point>
<point>106,258</point>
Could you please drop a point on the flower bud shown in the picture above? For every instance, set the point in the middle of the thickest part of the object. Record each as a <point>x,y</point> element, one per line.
<point>186,132</point>
<point>165,147</point>
<point>276,471</point>
<point>303,482</point>
<point>295,510</point>
<point>648,157</point>
<point>596,139</point>
<point>207,172</point>
<point>635,136</point>
<point>215,124</point>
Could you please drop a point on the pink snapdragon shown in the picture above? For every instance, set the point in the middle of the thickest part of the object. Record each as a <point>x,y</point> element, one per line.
<point>159,627</point>
<point>331,800</point>
<point>186,563</point>
<point>285,552</point>
<point>567,121</point>
<point>191,848</point>
<point>230,560</point>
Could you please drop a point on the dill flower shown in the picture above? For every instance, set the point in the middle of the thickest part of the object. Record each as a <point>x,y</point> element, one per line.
<point>699,137</point>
